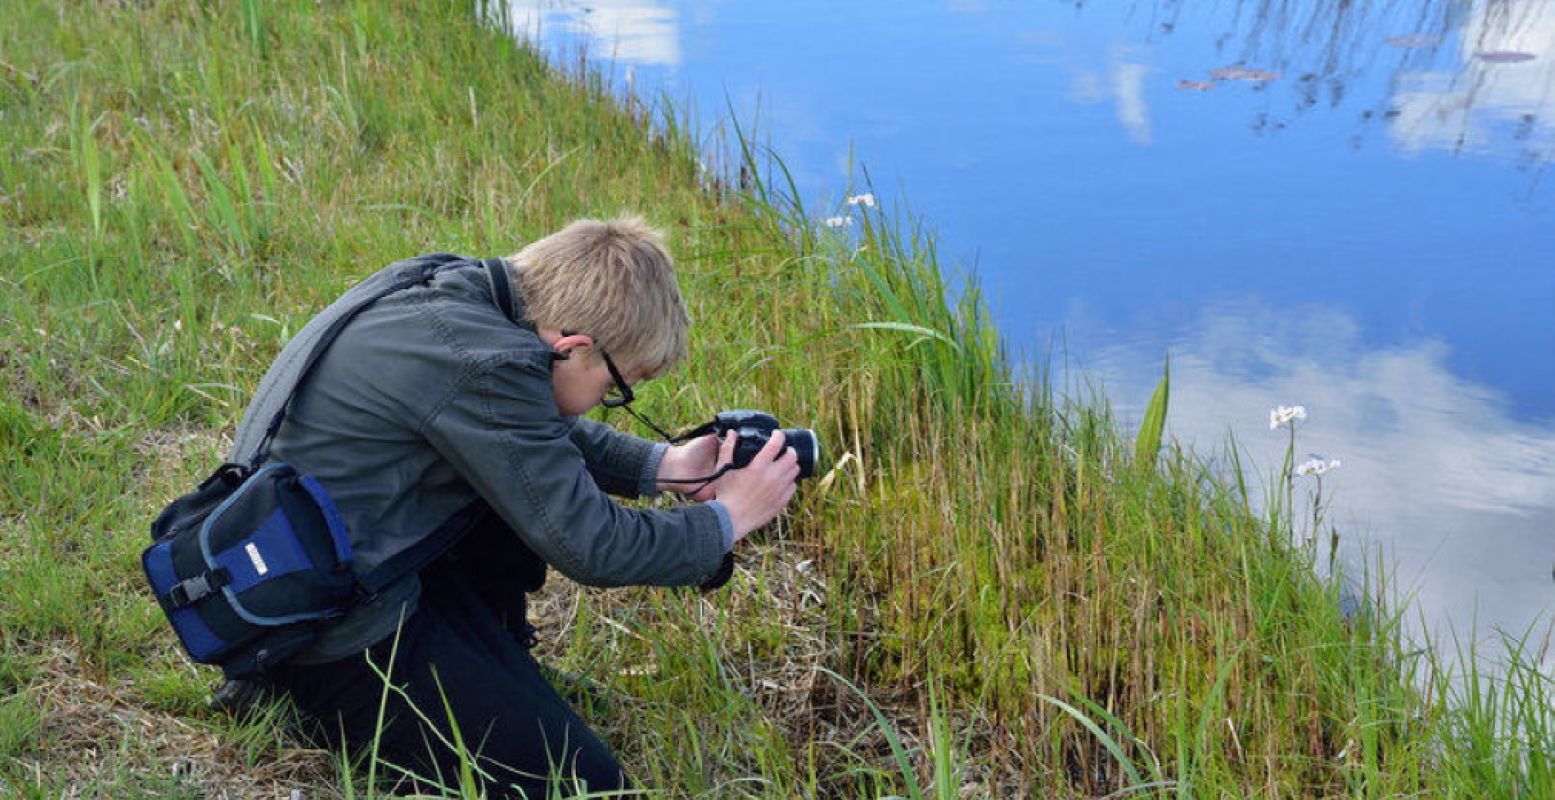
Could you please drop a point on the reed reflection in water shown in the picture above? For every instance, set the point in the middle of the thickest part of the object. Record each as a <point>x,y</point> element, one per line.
<point>1475,77</point>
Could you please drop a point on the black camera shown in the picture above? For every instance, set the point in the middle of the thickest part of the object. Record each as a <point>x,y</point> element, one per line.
<point>754,428</point>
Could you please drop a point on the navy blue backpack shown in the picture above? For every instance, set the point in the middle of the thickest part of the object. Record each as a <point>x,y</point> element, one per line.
<point>251,566</point>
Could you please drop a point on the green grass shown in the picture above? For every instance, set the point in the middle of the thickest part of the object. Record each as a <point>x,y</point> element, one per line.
<point>994,592</point>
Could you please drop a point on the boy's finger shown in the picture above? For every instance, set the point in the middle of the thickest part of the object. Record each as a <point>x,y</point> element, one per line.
<point>726,449</point>
<point>770,450</point>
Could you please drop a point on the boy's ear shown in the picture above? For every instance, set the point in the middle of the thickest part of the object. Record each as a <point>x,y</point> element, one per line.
<point>565,344</point>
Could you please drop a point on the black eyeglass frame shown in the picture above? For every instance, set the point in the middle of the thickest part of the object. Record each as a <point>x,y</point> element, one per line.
<point>623,402</point>
<point>625,397</point>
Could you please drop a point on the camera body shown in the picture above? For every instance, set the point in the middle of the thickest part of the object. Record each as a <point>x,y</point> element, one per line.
<point>754,429</point>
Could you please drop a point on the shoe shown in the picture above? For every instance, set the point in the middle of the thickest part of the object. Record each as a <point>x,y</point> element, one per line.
<point>236,695</point>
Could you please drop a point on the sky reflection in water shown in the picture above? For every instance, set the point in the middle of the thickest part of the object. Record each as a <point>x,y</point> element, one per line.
<point>1367,234</point>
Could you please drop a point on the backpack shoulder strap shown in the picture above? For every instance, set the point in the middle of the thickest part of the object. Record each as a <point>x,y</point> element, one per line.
<point>502,291</point>
<point>424,552</point>
<point>416,277</point>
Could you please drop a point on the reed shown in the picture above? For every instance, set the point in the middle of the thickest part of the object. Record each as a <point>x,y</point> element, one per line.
<point>994,592</point>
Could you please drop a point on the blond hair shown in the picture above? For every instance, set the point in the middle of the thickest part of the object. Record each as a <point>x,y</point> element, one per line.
<point>612,280</point>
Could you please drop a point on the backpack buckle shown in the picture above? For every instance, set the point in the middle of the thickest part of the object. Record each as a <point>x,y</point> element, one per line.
<point>189,591</point>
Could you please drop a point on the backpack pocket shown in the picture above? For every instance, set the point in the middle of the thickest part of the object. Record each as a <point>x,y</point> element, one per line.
<point>249,564</point>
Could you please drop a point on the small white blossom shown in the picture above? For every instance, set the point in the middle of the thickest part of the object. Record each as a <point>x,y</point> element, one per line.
<point>1317,465</point>
<point>838,222</point>
<point>1286,415</point>
<point>866,200</point>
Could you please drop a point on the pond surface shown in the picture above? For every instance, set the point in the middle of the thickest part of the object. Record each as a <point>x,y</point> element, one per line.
<point>1342,205</point>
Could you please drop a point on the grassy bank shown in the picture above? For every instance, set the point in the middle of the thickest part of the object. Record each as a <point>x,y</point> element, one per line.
<point>1034,603</point>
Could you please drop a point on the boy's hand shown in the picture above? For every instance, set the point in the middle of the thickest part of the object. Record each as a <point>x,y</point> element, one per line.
<point>694,459</point>
<point>757,493</point>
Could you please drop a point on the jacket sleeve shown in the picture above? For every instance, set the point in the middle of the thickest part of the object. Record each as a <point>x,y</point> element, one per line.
<point>622,464</point>
<point>500,429</point>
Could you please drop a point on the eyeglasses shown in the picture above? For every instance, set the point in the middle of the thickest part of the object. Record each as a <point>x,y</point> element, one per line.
<point>622,394</point>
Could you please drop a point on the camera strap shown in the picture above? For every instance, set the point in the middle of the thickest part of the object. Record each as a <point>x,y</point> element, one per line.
<point>700,430</point>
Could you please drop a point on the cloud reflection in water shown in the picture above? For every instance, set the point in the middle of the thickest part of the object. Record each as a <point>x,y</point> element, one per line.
<point>1128,81</point>
<point>624,31</point>
<point>1459,495</point>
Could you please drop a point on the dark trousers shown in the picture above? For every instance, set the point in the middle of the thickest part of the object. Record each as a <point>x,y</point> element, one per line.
<point>462,649</point>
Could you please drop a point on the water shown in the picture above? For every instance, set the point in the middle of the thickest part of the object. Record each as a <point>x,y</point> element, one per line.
<point>1355,217</point>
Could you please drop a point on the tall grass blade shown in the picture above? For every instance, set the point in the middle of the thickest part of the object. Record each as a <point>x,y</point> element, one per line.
<point>254,25</point>
<point>90,163</point>
<point>923,332</point>
<point>1148,443</point>
<point>903,761</point>
<point>1107,741</point>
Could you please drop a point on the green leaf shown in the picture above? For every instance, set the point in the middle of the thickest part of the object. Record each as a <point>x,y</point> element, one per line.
<point>1101,736</point>
<point>906,327</point>
<point>1154,425</point>
<point>903,760</point>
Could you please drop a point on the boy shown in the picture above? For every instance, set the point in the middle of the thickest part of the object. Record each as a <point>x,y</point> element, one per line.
<point>467,390</point>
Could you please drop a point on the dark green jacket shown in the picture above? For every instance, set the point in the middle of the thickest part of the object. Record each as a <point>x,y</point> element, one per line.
<point>431,398</point>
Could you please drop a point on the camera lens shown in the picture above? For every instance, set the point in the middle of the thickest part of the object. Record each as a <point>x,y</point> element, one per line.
<point>807,446</point>
<point>803,441</point>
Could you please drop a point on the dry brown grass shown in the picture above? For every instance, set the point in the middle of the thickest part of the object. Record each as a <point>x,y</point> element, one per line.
<point>94,733</point>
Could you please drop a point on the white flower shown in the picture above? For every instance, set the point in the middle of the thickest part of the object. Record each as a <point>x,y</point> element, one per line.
<point>1317,465</point>
<point>866,200</point>
<point>838,222</point>
<point>1286,415</point>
